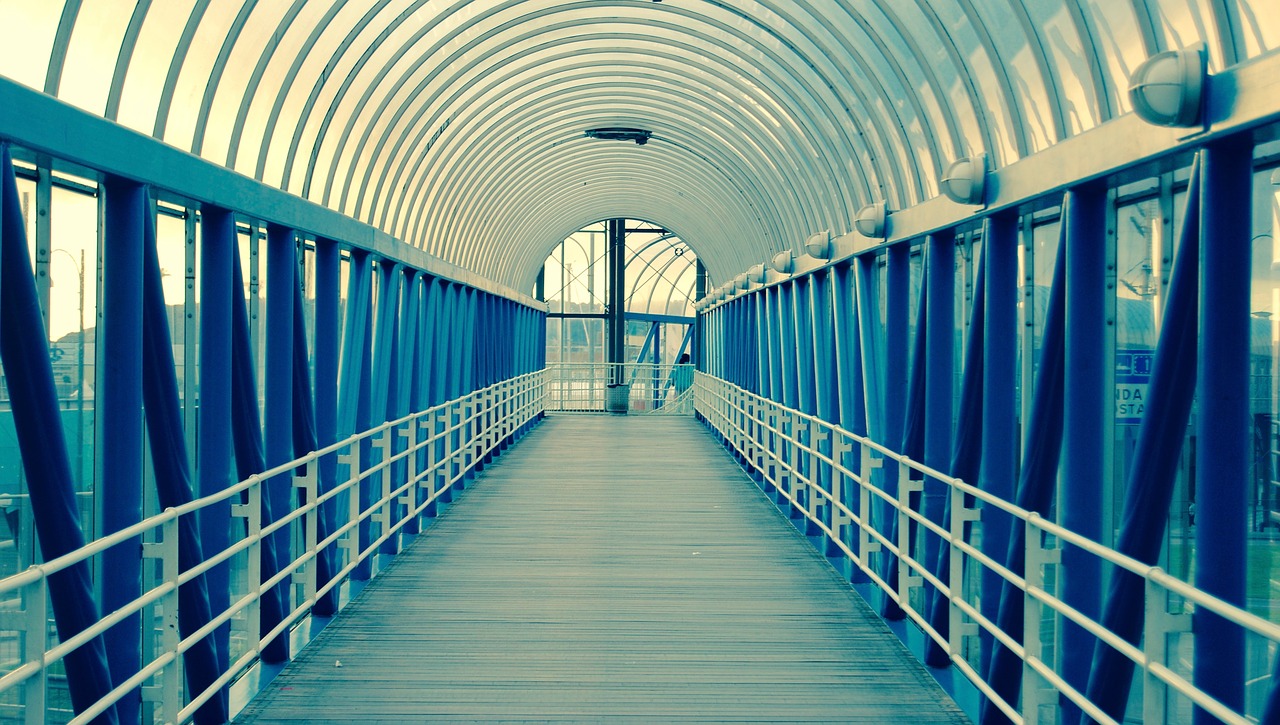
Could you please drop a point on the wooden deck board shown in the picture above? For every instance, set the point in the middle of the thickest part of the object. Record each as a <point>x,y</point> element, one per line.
<point>607,568</point>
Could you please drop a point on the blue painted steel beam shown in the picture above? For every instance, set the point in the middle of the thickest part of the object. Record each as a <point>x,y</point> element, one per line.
<point>940,340</point>
<point>1223,455</point>
<point>1084,418</point>
<point>119,399</point>
<point>214,469</point>
<point>851,409</point>
<point>278,399</point>
<point>999,404</point>
<point>328,275</point>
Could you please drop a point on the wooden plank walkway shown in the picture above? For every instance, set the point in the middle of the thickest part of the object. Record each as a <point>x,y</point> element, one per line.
<point>607,569</point>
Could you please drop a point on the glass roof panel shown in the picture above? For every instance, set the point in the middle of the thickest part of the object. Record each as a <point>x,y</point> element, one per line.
<point>152,56</point>
<point>1260,30</point>
<point>250,44</point>
<point>458,124</point>
<point>1070,64</point>
<point>1119,44</point>
<point>31,28</point>
<point>91,55</point>
<point>197,66</point>
<point>1028,83</point>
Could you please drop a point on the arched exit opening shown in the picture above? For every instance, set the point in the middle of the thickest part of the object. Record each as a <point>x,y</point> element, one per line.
<point>620,297</point>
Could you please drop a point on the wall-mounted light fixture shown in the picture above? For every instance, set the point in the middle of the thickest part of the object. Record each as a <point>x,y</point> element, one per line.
<point>818,245</point>
<point>871,221</point>
<point>1167,88</point>
<point>783,262</point>
<point>741,281</point>
<point>755,274</point>
<point>965,179</point>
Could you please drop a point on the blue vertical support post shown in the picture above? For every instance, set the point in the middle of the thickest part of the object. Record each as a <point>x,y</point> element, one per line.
<point>1083,415</point>
<point>443,368</point>
<point>1223,456</point>
<point>774,326</point>
<point>897,365</point>
<point>999,412</point>
<point>327,348</point>
<point>384,378</point>
<point>790,393</point>
<point>278,393</point>
<point>940,340</point>
<point>351,385</point>
<point>407,390</point>
<point>218,236</point>
<point>120,425</point>
<point>851,409</point>
<point>761,332</point>
<point>465,346</point>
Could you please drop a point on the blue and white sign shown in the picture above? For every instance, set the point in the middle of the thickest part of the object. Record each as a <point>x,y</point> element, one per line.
<point>1133,374</point>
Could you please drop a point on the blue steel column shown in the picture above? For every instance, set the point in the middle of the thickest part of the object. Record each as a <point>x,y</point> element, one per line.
<point>1084,413</point>
<point>896,370</point>
<point>278,391</point>
<point>328,279</point>
<point>217,236</point>
<point>940,340</point>
<point>851,410</point>
<point>1223,457</point>
<point>120,423</point>
<point>999,406</point>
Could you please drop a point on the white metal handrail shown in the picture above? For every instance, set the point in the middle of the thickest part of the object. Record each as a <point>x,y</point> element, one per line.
<point>802,457</point>
<point>453,437</point>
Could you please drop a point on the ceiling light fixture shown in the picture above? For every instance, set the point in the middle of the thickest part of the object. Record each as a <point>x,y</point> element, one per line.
<point>639,135</point>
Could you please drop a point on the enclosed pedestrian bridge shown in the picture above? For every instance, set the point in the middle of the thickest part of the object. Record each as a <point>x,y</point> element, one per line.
<point>649,361</point>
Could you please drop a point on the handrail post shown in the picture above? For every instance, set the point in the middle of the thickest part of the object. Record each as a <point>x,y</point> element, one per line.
<point>251,512</point>
<point>170,638</point>
<point>866,544</point>
<point>310,531</point>
<point>961,515</point>
<point>429,480</point>
<point>1158,624</point>
<point>1037,556</point>
<point>907,578</point>
<point>837,519</point>
<point>409,499</point>
<point>351,540</point>
<point>35,642</point>
<point>382,443</point>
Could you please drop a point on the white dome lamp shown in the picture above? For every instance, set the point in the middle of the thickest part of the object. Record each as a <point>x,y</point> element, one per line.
<point>872,221</point>
<point>783,262</point>
<point>964,181</point>
<point>818,245</point>
<point>1167,88</point>
<point>755,274</point>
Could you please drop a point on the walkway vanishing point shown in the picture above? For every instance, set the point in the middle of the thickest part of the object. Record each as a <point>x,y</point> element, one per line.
<point>607,569</point>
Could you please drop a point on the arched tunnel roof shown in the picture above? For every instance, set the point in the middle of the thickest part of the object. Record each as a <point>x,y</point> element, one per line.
<point>459,126</point>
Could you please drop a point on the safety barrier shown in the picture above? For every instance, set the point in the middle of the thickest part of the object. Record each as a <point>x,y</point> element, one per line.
<point>836,480</point>
<point>620,388</point>
<point>437,448</point>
